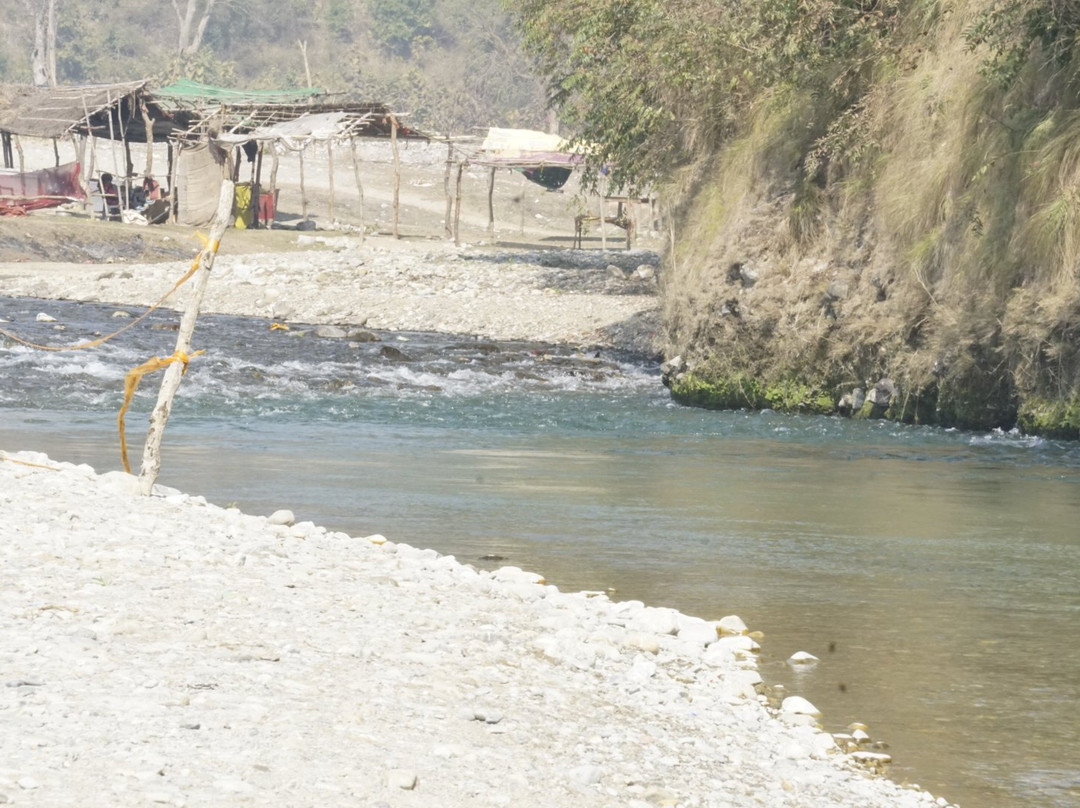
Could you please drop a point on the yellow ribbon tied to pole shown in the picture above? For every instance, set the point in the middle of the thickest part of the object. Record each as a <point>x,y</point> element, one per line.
<point>131,383</point>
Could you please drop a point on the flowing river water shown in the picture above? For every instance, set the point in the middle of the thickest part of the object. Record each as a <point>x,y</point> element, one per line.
<point>936,574</point>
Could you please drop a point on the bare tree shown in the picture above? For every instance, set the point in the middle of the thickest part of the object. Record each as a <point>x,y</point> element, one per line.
<point>193,17</point>
<point>43,53</point>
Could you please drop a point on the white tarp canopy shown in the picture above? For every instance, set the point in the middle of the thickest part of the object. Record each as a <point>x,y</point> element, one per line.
<point>297,133</point>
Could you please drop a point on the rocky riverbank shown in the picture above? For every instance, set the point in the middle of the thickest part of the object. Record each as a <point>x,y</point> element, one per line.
<point>162,650</point>
<point>560,296</point>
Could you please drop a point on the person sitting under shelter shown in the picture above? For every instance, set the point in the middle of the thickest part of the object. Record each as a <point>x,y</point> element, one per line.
<point>111,196</point>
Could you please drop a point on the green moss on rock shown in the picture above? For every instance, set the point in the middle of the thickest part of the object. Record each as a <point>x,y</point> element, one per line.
<point>1051,418</point>
<point>736,392</point>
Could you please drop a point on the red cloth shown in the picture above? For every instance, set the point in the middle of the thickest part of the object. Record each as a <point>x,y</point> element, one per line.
<point>21,191</point>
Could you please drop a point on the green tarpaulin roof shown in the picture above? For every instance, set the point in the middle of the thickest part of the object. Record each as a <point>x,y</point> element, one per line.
<point>186,91</point>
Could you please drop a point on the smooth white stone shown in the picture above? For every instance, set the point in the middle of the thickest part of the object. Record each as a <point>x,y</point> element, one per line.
<point>401,778</point>
<point>700,632</point>
<point>657,621</point>
<point>281,517</point>
<point>799,706</point>
<point>732,624</point>
<point>802,658</point>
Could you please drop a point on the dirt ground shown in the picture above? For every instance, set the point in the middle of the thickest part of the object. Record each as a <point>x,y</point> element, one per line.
<point>526,215</point>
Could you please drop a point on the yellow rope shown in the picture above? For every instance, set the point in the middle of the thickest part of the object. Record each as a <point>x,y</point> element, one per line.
<point>131,382</point>
<point>4,456</point>
<point>208,246</point>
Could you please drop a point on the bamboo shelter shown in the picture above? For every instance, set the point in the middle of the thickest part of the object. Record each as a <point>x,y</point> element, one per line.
<point>257,124</point>
<point>120,114</point>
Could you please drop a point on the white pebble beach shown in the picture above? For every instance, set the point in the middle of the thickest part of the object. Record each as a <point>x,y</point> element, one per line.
<point>166,651</point>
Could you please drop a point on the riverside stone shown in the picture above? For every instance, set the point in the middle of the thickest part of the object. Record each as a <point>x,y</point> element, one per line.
<point>281,517</point>
<point>799,706</point>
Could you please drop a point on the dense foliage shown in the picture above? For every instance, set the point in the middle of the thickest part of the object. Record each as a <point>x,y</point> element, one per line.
<point>452,64</point>
<point>650,83</point>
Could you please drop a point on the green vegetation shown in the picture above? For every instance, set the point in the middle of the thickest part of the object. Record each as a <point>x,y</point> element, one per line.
<point>452,65</point>
<point>741,392</point>
<point>866,189</point>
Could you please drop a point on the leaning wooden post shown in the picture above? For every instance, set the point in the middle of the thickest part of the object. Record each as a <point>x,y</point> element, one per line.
<point>397,173</point>
<point>151,462</point>
<point>491,204</point>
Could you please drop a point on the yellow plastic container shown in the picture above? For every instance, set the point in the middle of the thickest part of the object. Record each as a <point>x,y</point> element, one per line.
<point>243,209</point>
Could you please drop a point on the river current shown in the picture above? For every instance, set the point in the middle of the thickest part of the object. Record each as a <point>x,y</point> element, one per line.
<point>936,574</point>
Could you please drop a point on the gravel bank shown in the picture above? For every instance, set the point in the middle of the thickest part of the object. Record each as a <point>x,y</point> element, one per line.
<point>163,651</point>
<point>558,296</point>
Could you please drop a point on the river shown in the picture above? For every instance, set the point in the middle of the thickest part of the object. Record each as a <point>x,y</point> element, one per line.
<point>936,574</point>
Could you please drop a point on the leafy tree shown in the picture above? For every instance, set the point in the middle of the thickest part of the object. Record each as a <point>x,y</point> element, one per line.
<point>1013,30</point>
<point>648,84</point>
<point>400,26</point>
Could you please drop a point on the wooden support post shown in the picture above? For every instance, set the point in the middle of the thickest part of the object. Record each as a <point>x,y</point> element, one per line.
<point>491,204</point>
<point>359,185</point>
<point>22,157</point>
<point>397,173</point>
<point>174,170</point>
<point>330,170</point>
<point>56,152</point>
<point>603,223</point>
<point>9,157</point>
<point>303,189</point>
<point>148,123</point>
<point>448,220</point>
<point>273,177</point>
<point>151,462</point>
<point>457,207</point>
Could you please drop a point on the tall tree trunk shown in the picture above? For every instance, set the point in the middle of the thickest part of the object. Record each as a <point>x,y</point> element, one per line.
<point>191,32</point>
<point>43,52</point>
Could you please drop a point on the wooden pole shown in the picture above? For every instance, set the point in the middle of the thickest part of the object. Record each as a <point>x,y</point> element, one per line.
<point>151,462</point>
<point>330,169</point>
<point>22,157</point>
<point>303,189</point>
<point>56,151</point>
<point>491,204</point>
<point>273,177</point>
<point>457,207</point>
<point>448,221</point>
<point>174,171</point>
<point>603,223</point>
<point>397,173</point>
<point>359,185</point>
<point>149,124</point>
